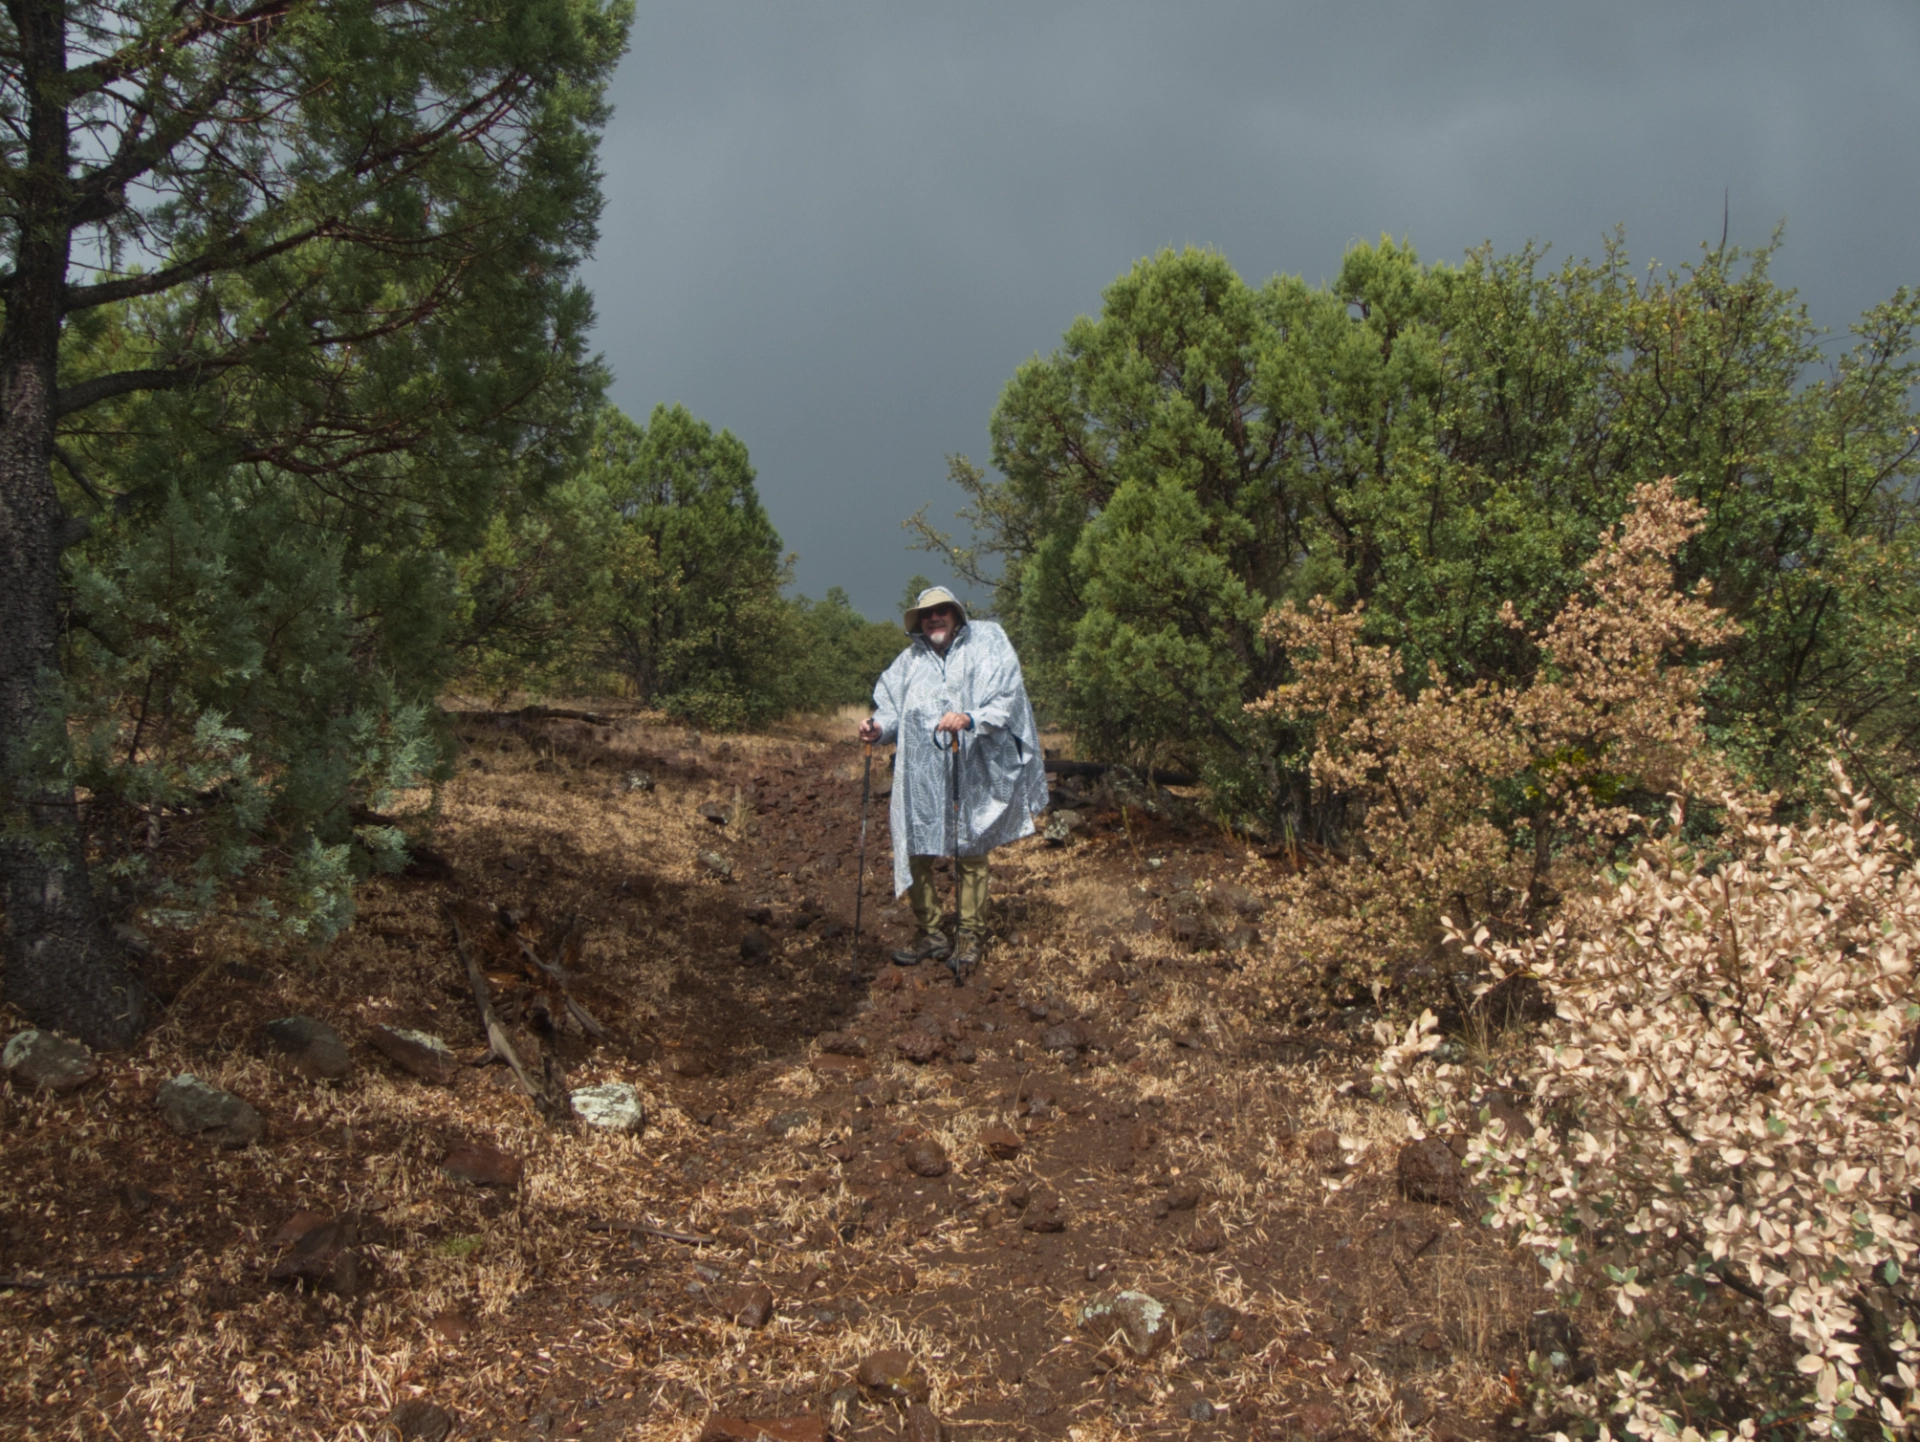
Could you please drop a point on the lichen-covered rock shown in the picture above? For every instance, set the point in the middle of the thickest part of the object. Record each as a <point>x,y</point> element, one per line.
<point>418,1052</point>
<point>49,1062</point>
<point>208,1114</point>
<point>612,1106</point>
<point>1144,1322</point>
<point>1062,824</point>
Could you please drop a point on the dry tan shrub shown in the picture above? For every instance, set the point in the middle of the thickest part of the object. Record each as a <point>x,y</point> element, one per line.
<point>1723,1135</point>
<point>1485,802</point>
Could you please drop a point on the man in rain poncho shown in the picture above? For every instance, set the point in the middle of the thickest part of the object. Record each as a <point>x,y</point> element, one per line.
<point>958,678</point>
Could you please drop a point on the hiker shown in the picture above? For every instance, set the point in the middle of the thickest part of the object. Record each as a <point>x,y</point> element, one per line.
<point>958,677</point>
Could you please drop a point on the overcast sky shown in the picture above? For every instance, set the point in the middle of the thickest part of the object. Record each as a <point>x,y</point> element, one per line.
<point>836,229</point>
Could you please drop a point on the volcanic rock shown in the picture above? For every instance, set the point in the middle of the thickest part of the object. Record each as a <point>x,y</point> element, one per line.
<point>1182,1197</point>
<point>420,1053</point>
<point>1217,1321</point>
<point>926,1158</point>
<point>843,1043</point>
<point>1415,1409</point>
<point>1318,1419</point>
<point>324,1258</point>
<point>208,1114</point>
<point>752,1306</point>
<point>917,1046</point>
<point>482,1165</point>
<point>1067,1036</point>
<point>756,947</point>
<point>418,1420</point>
<point>1045,1213</point>
<point>1206,1237</point>
<point>51,1063</point>
<point>311,1048</point>
<point>1428,1171</point>
<point>892,1375</point>
<point>923,1426</point>
<point>719,865</point>
<point>1000,1142</point>
<point>785,1123</point>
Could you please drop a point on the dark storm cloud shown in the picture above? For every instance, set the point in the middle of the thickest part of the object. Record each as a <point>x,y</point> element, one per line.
<point>837,229</point>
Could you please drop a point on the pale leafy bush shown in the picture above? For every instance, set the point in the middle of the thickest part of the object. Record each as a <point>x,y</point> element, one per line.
<point>1723,1133</point>
<point>1482,801</point>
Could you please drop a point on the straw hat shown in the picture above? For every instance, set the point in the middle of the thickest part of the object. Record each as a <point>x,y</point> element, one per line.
<point>933,596</point>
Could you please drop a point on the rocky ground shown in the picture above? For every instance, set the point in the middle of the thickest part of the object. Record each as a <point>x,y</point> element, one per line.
<point>1099,1191</point>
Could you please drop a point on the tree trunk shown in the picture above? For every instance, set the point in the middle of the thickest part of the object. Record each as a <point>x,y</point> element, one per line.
<point>63,968</point>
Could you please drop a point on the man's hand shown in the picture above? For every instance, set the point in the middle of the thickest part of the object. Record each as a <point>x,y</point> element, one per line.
<point>954,721</point>
<point>869,730</point>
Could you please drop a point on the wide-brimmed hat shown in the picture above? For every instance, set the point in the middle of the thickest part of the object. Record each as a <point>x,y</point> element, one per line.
<point>929,598</point>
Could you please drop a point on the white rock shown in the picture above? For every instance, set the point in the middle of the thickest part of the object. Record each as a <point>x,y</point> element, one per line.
<point>616,1106</point>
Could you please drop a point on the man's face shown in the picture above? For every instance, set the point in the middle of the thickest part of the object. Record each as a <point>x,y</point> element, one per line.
<point>937,624</point>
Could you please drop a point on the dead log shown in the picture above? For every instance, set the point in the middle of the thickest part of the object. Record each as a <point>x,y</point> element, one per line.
<point>549,1094</point>
<point>1092,769</point>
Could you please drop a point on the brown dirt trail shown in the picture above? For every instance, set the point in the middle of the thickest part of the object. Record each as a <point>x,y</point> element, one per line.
<point>898,1166</point>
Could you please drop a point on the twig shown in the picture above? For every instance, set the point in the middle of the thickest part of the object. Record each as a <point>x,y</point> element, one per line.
<point>556,972</point>
<point>543,1101</point>
<point>692,1239</point>
<point>87,1279</point>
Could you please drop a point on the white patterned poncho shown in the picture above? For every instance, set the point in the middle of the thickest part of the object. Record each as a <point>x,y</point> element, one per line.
<point>1003,781</point>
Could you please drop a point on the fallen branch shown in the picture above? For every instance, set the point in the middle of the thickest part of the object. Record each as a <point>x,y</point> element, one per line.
<point>1091,769</point>
<point>538,713</point>
<point>692,1239</point>
<point>85,1279</point>
<point>556,973</point>
<point>549,1099</point>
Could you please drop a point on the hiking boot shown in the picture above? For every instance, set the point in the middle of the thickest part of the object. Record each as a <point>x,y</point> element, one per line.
<point>966,956</point>
<point>927,946</point>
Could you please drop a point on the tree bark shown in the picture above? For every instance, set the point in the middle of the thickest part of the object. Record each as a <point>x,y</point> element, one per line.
<point>63,968</point>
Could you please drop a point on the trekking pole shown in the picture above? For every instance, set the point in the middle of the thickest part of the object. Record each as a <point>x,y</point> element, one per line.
<point>954,769</point>
<point>860,888</point>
